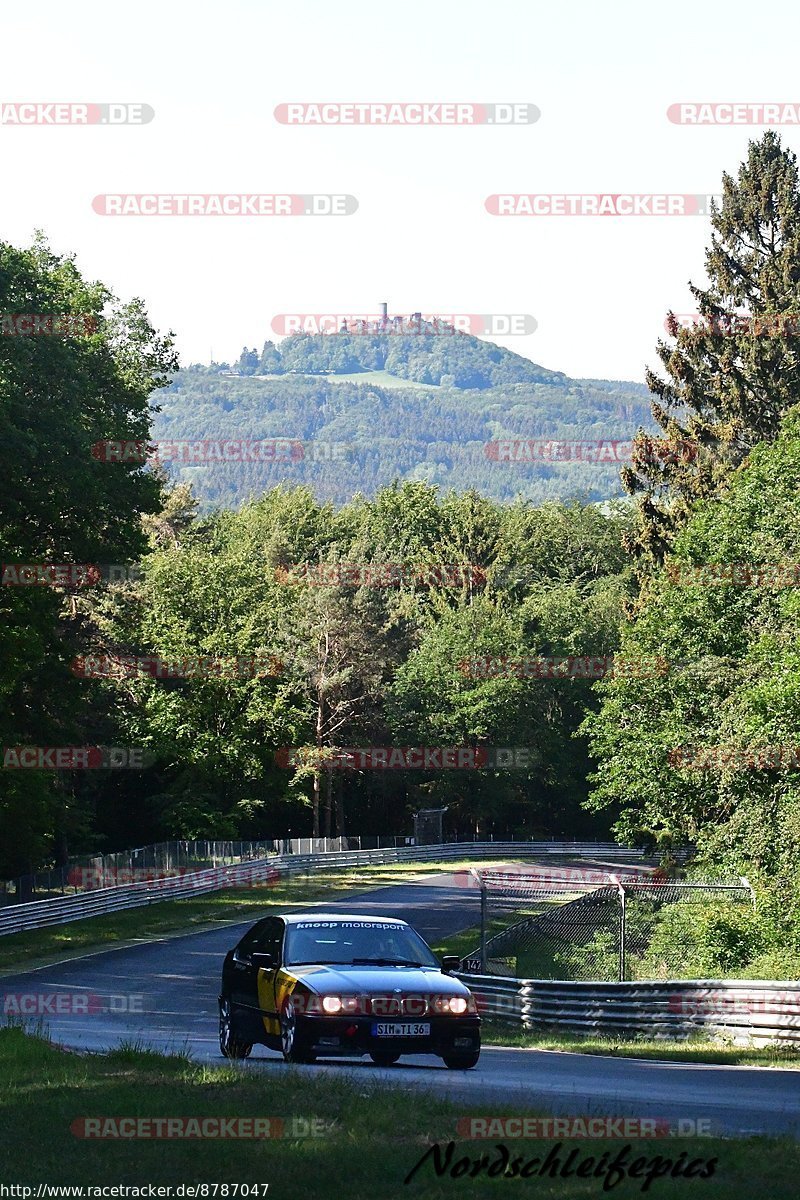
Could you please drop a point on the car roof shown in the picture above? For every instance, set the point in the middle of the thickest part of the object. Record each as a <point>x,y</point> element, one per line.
<point>293,918</point>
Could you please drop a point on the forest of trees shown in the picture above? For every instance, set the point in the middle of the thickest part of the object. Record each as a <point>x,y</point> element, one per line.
<point>699,572</point>
<point>363,436</point>
<point>346,664</point>
<point>431,352</point>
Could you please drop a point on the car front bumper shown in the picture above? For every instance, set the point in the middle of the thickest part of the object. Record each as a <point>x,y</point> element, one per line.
<point>355,1035</point>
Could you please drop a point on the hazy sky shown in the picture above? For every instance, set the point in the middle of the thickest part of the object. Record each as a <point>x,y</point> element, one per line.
<point>603,76</point>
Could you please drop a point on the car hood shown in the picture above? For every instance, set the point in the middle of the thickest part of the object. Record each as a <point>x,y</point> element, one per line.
<point>343,980</point>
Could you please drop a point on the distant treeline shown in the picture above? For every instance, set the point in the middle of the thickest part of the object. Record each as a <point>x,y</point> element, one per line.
<point>362,436</point>
<point>434,354</point>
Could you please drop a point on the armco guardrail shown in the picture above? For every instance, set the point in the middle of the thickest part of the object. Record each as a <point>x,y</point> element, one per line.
<point>164,859</point>
<point>41,913</point>
<point>175,857</point>
<point>58,911</point>
<point>746,1012</point>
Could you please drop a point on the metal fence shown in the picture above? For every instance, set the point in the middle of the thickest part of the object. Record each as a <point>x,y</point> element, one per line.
<point>591,924</point>
<point>60,910</point>
<point>264,872</point>
<point>740,1011</point>
<point>166,859</point>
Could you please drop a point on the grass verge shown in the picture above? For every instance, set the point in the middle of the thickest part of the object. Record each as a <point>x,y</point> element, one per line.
<point>368,1139</point>
<point>698,1050</point>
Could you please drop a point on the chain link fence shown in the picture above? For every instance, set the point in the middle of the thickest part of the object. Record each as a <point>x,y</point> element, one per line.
<point>596,925</point>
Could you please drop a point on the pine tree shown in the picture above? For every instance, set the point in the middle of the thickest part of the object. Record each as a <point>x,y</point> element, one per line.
<point>732,376</point>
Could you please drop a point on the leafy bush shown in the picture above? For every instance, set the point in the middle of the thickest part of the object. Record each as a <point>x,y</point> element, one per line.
<point>703,940</point>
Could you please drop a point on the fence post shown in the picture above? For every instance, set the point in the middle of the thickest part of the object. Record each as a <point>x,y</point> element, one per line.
<point>622,931</point>
<point>483,926</point>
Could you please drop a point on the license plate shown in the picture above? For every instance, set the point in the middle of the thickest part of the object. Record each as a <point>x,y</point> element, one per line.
<point>401,1029</point>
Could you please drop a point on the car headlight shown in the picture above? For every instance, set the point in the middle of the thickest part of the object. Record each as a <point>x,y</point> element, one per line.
<point>339,1004</point>
<point>455,1005</point>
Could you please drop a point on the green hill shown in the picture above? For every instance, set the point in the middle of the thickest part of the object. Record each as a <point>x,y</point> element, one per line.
<point>376,407</point>
<point>434,354</point>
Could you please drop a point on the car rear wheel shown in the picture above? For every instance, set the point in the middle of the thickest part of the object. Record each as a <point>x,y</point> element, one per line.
<point>461,1062</point>
<point>293,1049</point>
<point>383,1058</point>
<point>231,1046</point>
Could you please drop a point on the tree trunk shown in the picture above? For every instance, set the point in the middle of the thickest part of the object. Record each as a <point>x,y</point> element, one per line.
<point>320,728</point>
<point>328,786</point>
<point>315,806</point>
<point>339,810</point>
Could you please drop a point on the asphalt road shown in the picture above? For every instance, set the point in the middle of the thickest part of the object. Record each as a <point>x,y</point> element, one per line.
<point>163,994</point>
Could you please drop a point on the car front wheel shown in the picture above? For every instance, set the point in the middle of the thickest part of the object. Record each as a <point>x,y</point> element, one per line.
<point>461,1062</point>
<point>291,1045</point>
<point>231,1046</point>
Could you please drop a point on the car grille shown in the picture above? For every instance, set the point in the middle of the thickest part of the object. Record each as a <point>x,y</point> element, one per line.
<point>399,1006</point>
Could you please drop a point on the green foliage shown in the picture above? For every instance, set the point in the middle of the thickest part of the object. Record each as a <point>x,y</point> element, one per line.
<point>731,378</point>
<point>702,940</point>
<point>733,683</point>
<point>364,435</point>
<point>596,958</point>
<point>59,395</point>
<point>436,350</point>
<point>361,665</point>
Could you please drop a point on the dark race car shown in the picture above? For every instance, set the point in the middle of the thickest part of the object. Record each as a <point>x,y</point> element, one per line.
<point>321,984</point>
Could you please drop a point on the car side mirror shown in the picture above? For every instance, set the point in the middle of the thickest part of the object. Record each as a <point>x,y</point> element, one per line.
<point>263,959</point>
<point>450,962</point>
